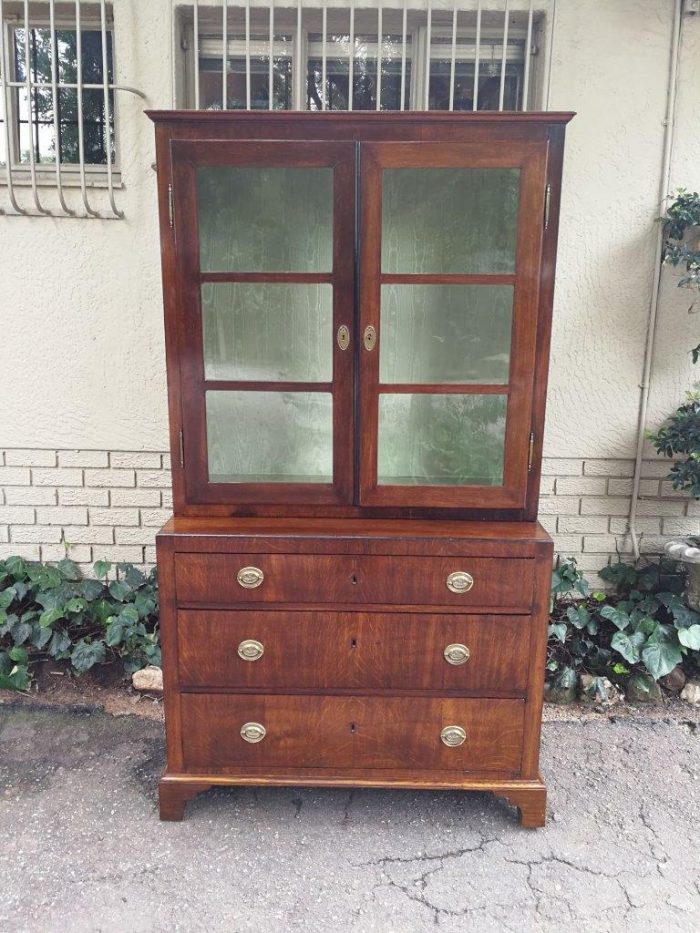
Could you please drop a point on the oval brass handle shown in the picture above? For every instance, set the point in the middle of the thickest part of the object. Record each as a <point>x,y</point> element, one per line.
<point>460,581</point>
<point>251,650</point>
<point>343,337</point>
<point>453,736</point>
<point>250,577</point>
<point>369,338</point>
<point>454,654</point>
<point>253,732</point>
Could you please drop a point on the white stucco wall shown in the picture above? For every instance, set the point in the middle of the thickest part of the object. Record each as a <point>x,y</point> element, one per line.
<point>81,354</point>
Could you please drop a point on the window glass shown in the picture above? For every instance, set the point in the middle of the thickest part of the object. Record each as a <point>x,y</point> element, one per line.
<point>34,115</point>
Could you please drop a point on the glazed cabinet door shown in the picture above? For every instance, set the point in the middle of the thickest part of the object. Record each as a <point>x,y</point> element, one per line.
<point>450,260</point>
<point>264,235</point>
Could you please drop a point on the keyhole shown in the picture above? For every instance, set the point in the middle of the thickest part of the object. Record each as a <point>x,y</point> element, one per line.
<point>353,579</point>
<point>353,727</point>
<point>353,643</point>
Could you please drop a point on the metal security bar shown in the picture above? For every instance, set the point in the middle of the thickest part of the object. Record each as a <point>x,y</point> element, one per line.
<point>354,55</point>
<point>22,89</point>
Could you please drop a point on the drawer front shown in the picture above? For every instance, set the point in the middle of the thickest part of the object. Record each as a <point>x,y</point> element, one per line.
<point>345,732</point>
<point>223,579</point>
<point>353,650</point>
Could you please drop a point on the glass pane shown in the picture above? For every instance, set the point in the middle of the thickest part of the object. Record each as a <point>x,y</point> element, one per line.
<point>269,332</point>
<point>450,220</point>
<point>270,437</point>
<point>265,219</point>
<point>489,85</point>
<point>364,72</point>
<point>445,333</point>
<point>441,440</point>
<point>210,84</point>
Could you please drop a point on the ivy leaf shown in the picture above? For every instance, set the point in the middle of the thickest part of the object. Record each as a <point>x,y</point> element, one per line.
<point>119,590</point>
<point>579,616</point>
<point>59,644</point>
<point>647,626</point>
<point>132,575</point>
<point>115,633</point>
<point>144,604</point>
<point>683,616</point>
<point>86,654</point>
<point>17,679</point>
<point>16,567</point>
<point>75,605</point>
<point>690,637</point>
<point>7,596</point>
<point>129,615</point>
<point>101,568</point>
<point>660,658</point>
<point>68,569</point>
<point>21,632</point>
<point>19,655</point>
<point>49,616</point>
<point>558,631</point>
<point>91,589</point>
<point>40,636</point>
<point>102,610</point>
<point>629,646</point>
<point>619,618</point>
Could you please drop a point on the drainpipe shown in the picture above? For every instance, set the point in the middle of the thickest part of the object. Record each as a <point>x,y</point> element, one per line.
<point>664,184</point>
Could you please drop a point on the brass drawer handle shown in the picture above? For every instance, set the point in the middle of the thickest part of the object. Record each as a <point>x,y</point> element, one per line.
<point>250,577</point>
<point>251,650</point>
<point>453,736</point>
<point>253,732</point>
<point>454,654</point>
<point>460,581</point>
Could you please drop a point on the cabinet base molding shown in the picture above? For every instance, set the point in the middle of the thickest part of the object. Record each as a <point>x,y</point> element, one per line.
<point>530,797</point>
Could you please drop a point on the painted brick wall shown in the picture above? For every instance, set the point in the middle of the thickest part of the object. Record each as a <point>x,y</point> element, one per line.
<point>109,504</point>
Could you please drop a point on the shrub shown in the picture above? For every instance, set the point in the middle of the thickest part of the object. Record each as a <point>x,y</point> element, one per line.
<point>51,611</point>
<point>645,624</point>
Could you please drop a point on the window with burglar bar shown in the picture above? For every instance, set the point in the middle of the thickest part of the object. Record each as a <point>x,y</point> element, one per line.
<point>354,58</point>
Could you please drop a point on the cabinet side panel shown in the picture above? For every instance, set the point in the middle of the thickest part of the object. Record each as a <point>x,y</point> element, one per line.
<point>169,272</point>
<point>169,649</point>
<point>538,655</point>
<point>555,160</point>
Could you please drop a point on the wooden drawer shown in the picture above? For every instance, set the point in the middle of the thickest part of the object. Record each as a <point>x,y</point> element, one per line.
<point>353,650</point>
<point>212,579</point>
<point>359,732</point>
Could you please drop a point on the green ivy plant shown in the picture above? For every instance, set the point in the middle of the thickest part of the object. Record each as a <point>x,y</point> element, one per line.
<point>681,246</point>
<point>644,625</point>
<point>679,436</point>
<point>51,611</point>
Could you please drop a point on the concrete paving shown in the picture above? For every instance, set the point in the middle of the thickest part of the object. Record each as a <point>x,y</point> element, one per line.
<point>82,849</point>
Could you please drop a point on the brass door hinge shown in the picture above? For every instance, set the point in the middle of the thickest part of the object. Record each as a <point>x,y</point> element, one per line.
<point>182,449</point>
<point>171,208</point>
<point>547,200</point>
<point>530,451</point>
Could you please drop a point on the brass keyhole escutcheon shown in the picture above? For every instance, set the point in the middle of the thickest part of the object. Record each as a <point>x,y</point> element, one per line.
<point>460,582</point>
<point>456,654</point>
<point>250,650</point>
<point>369,338</point>
<point>343,337</point>
<point>452,736</point>
<point>253,732</point>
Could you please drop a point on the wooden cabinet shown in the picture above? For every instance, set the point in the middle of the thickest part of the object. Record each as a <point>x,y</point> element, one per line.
<point>357,329</point>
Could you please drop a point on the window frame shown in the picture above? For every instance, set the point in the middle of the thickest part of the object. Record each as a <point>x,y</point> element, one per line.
<point>45,172</point>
